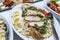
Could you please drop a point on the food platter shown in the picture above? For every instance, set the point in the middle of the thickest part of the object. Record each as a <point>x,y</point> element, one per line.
<point>57,15</point>
<point>9,4</point>
<point>4,29</point>
<point>6,5</point>
<point>18,10</point>
<point>9,32</point>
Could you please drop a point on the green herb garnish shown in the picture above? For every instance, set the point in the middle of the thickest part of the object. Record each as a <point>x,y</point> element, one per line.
<point>41,16</point>
<point>49,17</point>
<point>31,8</point>
<point>23,14</point>
<point>46,21</point>
<point>55,0</point>
<point>39,10</point>
<point>35,26</point>
<point>42,31</point>
<point>6,27</point>
<point>44,26</point>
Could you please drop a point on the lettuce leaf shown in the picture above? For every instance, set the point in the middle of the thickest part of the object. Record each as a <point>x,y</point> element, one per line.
<point>55,0</point>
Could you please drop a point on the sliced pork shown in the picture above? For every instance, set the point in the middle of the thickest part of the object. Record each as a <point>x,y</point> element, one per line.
<point>38,23</point>
<point>31,12</point>
<point>32,18</point>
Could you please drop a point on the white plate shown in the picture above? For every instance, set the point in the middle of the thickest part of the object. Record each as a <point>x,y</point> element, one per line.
<point>5,16</point>
<point>52,11</point>
<point>39,5</point>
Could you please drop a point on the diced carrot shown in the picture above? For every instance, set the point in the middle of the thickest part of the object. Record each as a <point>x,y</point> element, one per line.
<point>53,4</point>
<point>57,11</point>
<point>44,12</point>
<point>7,2</point>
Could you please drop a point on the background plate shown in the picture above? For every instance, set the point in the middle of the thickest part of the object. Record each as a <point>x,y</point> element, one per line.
<point>5,16</point>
